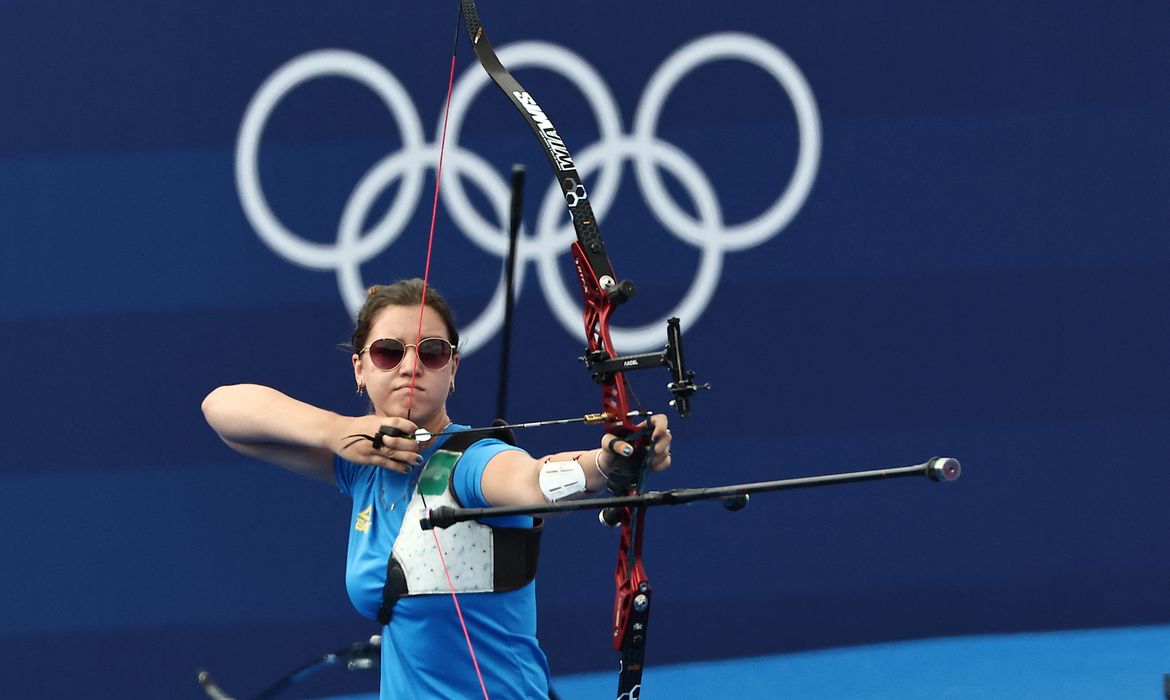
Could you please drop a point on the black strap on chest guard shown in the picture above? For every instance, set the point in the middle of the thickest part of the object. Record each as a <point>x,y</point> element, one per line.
<point>516,549</point>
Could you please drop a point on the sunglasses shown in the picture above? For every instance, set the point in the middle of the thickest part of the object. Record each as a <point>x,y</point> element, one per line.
<point>388,353</point>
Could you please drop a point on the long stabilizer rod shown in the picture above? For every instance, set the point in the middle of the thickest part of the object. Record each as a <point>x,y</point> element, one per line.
<point>733,496</point>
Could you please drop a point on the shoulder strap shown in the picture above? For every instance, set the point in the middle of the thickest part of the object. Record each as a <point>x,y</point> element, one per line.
<point>459,442</point>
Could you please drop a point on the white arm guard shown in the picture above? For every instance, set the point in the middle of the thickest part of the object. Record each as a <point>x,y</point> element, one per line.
<point>561,479</point>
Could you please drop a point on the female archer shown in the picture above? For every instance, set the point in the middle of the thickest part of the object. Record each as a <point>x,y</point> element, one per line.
<point>395,572</point>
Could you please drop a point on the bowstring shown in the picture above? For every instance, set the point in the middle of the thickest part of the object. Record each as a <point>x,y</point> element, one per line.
<point>418,339</point>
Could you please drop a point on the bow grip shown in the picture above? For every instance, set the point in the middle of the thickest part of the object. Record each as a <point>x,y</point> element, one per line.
<point>625,471</point>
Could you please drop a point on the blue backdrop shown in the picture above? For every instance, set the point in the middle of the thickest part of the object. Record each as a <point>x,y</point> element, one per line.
<point>893,230</point>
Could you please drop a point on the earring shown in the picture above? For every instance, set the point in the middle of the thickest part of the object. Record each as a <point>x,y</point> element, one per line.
<point>361,389</point>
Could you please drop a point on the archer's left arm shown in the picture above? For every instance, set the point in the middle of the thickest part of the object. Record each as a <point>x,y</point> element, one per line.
<point>512,478</point>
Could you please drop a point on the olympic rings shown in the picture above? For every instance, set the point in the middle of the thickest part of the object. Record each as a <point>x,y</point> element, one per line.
<point>603,161</point>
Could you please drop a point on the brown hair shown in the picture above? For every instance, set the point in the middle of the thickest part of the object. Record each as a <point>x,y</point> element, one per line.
<point>401,293</point>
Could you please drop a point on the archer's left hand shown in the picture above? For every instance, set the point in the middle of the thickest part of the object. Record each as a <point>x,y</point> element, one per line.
<point>660,441</point>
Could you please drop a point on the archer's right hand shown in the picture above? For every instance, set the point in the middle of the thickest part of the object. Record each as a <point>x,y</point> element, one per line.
<point>378,441</point>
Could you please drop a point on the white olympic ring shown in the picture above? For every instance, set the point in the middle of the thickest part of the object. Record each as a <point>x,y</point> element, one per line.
<point>553,233</point>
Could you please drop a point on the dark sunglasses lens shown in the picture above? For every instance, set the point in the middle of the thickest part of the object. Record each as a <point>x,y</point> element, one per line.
<point>387,353</point>
<point>434,353</point>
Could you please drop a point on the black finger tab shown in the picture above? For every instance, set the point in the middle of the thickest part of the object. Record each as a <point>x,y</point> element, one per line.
<point>384,432</point>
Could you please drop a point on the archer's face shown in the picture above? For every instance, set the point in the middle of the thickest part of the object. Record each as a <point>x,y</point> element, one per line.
<point>390,390</point>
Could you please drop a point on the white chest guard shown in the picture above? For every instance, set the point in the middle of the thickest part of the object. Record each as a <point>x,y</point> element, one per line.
<point>467,546</point>
<point>480,558</point>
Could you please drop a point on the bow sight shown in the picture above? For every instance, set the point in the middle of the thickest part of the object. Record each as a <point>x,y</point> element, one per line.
<point>683,386</point>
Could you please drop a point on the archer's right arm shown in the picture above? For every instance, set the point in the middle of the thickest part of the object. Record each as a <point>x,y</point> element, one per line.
<point>263,423</point>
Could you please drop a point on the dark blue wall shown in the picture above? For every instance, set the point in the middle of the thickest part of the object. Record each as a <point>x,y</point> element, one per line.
<point>979,269</point>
